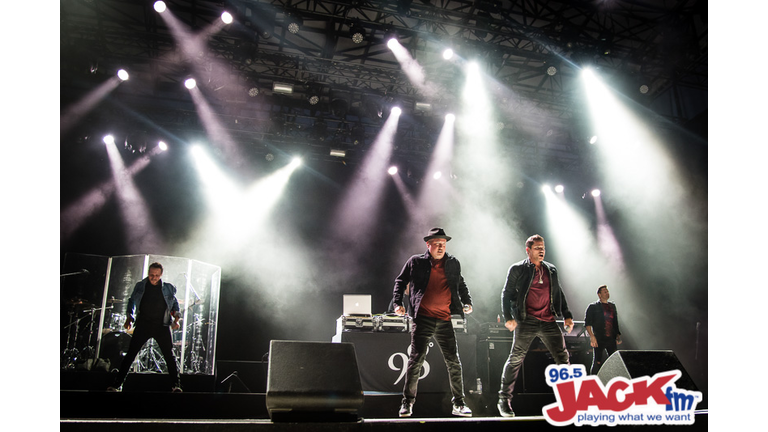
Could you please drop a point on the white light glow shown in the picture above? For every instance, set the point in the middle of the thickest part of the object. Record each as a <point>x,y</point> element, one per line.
<point>448,54</point>
<point>396,111</point>
<point>160,6</point>
<point>226,17</point>
<point>450,117</point>
<point>596,193</point>
<point>122,74</point>
<point>559,188</point>
<point>393,44</point>
<point>108,139</point>
<point>162,146</point>
<point>437,175</point>
<point>190,83</point>
<point>392,170</point>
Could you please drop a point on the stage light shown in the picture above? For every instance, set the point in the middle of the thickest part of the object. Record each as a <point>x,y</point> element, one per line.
<point>269,157</point>
<point>392,170</point>
<point>190,83</point>
<point>160,6</point>
<point>437,175</point>
<point>559,188</point>
<point>295,162</point>
<point>551,71</point>
<point>226,17</point>
<point>593,139</point>
<point>314,100</point>
<point>122,74</point>
<point>596,193</point>
<point>423,106</point>
<point>108,139</point>
<point>448,54</point>
<point>162,146</point>
<point>294,22</point>
<point>392,43</point>
<point>450,117</point>
<point>644,89</point>
<point>338,153</point>
<point>253,92</point>
<point>396,111</point>
<point>546,189</point>
<point>357,33</point>
<point>282,88</point>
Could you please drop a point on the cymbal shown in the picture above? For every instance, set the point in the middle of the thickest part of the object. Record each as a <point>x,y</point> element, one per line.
<point>79,302</point>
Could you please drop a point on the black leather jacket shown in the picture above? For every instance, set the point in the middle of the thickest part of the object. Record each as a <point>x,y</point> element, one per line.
<point>416,271</point>
<point>519,278</point>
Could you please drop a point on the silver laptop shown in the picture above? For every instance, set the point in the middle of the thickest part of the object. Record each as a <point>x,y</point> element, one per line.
<point>357,304</point>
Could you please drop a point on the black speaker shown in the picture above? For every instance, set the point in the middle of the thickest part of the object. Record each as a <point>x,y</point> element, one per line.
<point>635,364</point>
<point>313,381</point>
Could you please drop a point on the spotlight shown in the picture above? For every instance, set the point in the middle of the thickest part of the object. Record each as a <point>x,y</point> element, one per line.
<point>108,139</point>
<point>226,17</point>
<point>160,6</point>
<point>314,100</point>
<point>559,188</point>
<point>392,170</point>
<point>596,193</point>
<point>437,175</point>
<point>392,43</point>
<point>294,22</point>
<point>644,89</point>
<point>396,111</point>
<point>450,117</point>
<point>282,88</point>
<point>448,54</point>
<point>357,33</point>
<point>269,157</point>
<point>253,92</point>
<point>296,161</point>
<point>551,71</point>
<point>162,146</point>
<point>546,189</point>
<point>338,153</point>
<point>122,74</point>
<point>593,139</point>
<point>190,83</point>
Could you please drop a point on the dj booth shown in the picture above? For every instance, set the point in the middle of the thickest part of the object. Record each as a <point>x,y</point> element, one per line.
<point>382,357</point>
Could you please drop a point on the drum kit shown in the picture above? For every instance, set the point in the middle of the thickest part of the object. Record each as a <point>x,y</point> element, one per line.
<point>82,349</point>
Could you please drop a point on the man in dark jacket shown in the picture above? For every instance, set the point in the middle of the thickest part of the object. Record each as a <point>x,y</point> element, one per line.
<point>531,301</point>
<point>437,292</point>
<point>157,310</point>
<point>602,323</point>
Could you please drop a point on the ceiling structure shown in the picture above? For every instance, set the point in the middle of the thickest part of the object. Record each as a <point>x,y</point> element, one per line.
<point>532,51</point>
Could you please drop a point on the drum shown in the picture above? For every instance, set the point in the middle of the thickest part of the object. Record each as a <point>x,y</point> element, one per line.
<point>114,345</point>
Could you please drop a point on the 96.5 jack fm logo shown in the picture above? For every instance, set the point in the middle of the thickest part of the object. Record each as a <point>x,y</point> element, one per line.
<point>584,400</point>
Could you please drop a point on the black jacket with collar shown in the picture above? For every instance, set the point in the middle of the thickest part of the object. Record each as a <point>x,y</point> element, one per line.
<point>594,317</point>
<point>515,292</point>
<point>416,273</point>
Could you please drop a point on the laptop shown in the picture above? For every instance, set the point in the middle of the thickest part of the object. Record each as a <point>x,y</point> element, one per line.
<point>357,304</point>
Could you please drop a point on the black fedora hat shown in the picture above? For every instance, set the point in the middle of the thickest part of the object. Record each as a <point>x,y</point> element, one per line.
<point>436,233</point>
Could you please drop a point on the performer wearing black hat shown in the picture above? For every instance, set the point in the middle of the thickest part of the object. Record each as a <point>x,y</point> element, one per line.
<point>437,292</point>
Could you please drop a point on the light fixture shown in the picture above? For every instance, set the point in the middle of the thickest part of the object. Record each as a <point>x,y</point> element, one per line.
<point>392,170</point>
<point>269,157</point>
<point>122,74</point>
<point>282,88</point>
<point>190,83</point>
<point>162,146</point>
<point>437,175</point>
<point>108,139</point>
<point>160,6</point>
<point>423,106</point>
<point>338,153</point>
<point>450,117</point>
<point>253,92</point>
<point>551,71</point>
<point>559,188</point>
<point>226,17</point>
<point>314,99</point>
<point>294,22</point>
<point>396,111</point>
<point>596,193</point>
<point>357,32</point>
<point>644,89</point>
<point>448,54</point>
<point>593,139</point>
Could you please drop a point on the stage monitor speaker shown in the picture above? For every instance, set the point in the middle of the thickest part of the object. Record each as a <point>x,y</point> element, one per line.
<point>313,381</point>
<point>635,364</point>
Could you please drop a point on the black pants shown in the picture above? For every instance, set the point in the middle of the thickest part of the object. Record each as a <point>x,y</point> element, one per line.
<point>525,332</point>
<point>142,333</point>
<point>422,330</point>
<point>604,345</point>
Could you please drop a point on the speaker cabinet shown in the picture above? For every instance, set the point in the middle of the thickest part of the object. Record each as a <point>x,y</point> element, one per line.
<point>313,381</point>
<point>635,364</point>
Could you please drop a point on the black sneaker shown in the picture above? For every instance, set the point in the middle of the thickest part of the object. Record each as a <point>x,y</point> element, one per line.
<point>504,408</point>
<point>406,409</point>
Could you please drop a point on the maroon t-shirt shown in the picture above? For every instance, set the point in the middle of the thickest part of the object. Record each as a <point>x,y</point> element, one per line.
<point>608,314</point>
<point>436,302</point>
<point>537,303</point>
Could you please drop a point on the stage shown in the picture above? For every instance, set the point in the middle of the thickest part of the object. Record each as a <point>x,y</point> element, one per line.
<point>86,406</point>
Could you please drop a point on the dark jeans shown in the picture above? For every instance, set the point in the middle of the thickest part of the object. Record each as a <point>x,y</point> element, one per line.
<point>604,344</point>
<point>422,330</point>
<point>141,334</point>
<point>525,332</point>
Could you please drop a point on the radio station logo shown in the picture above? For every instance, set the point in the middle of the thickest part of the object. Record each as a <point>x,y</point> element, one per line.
<point>583,399</point>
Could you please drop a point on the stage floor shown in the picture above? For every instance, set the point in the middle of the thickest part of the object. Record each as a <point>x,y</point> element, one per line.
<point>142,406</point>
